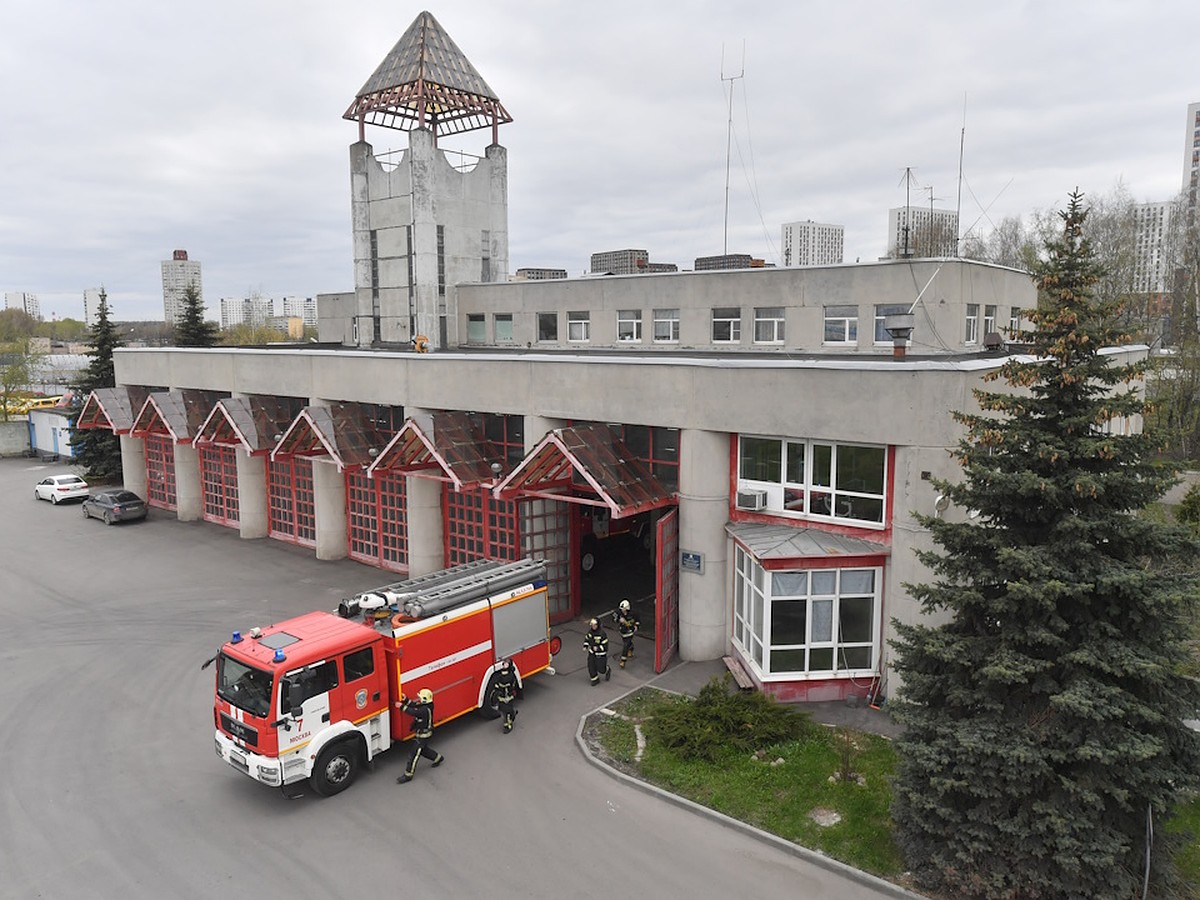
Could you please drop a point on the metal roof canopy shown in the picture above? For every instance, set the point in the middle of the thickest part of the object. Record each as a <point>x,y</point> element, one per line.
<point>253,423</point>
<point>176,413</point>
<point>775,544</point>
<point>446,446</point>
<point>603,464</point>
<point>112,408</point>
<point>427,82</point>
<point>344,432</point>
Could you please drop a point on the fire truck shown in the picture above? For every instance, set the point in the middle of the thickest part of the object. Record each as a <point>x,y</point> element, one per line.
<point>315,698</point>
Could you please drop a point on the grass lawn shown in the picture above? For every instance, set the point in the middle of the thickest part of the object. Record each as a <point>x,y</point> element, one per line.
<point>781,798</point>
<point>778,798</point>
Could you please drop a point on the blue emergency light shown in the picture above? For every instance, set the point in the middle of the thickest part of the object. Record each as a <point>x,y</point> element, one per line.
<point>237,638</point>
<point>279,657</point>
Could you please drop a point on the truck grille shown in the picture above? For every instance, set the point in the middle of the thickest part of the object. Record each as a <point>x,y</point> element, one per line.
<point>240,730</point>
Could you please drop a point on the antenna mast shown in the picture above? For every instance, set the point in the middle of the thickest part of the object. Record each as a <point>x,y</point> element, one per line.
<point>729,136</point>
<point>962,143</point>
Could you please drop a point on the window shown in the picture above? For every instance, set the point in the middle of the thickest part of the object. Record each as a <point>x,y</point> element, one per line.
<point>727,325</point>
<point>768,325</point>
<point>1014,320</point>
<point>971,335</point>
<point>629,325</point>
<point>503,325</point>
<point>666,325</point>
<point>815,479</point>
<point>841,325</point>
<point>476,329</point>
<point>820,622</point>
<point>313,681</point>
<point>359,664</point>
<point>547,325</point>
<point>989,320</point>
<point>579,325</point>
<point>882,311</point>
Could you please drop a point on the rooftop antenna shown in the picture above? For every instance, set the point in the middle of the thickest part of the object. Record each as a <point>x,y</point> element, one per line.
<point>908,180</point>
<point>930,246</point>
<point>729,135</point>
<point>962,142</point>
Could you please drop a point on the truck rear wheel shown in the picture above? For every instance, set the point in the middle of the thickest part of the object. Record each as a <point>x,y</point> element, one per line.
<point>336,768</point>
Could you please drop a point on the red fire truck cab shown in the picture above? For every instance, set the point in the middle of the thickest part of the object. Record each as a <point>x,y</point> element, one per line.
<point>316,697</point>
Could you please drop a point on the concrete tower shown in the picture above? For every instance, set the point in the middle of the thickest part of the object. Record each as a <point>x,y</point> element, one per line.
<point>424,222</point>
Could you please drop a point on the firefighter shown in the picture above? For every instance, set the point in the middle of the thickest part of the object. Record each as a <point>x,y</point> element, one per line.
<point>506,688</point>
<point>595,644</point>
<point>627,626</point>
<point>421,711</point>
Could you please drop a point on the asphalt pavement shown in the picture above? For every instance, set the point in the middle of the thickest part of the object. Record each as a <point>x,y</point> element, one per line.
<point>113,790</point>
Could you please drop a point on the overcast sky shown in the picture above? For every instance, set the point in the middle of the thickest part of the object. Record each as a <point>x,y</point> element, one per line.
<point>131,128</point>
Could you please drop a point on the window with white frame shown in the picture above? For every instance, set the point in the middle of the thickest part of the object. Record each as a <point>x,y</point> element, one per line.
<point>476,328</point>
<point>989,320</point>
<point>579,325</point>
<point>882,311</point>
<point>502,323</point>
<point>666,325</point>
<point>812,479</point>
<point>971,332</point>
<point>769,325</point>
<point>727,325</point>
<point>841,325</point>
<point>1014,320</point>
<point>629,325</point>
<point>806,622</point>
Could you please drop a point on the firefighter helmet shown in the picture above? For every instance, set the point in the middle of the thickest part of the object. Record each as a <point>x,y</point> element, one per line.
<point>623,606</point>
<point>425,695</point>
<point>594,624</point>
<point>506,664</point>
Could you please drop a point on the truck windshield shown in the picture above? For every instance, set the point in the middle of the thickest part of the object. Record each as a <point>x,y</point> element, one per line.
<point>244,686</point>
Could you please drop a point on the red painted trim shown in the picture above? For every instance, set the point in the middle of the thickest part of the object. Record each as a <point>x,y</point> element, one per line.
<point>820,562</point>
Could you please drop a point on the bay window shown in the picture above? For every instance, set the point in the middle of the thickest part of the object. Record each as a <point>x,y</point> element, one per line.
<point>814,622</point>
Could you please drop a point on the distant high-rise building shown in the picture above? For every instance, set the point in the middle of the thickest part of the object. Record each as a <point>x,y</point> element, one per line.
<point>811,243</point>
<point>91,306</point>
<point>177,273</point>
<point>254,311</point>
<point>535,273</point>
<point>1191,163</point>
<point>303,308</point>
<point>627,262</point>
<point>1151,224</point>
<point>27,303</point>
<point>727,261</point>
<point>917,232</point>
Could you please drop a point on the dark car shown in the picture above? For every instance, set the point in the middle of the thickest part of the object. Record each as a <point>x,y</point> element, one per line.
<point>114,506</point>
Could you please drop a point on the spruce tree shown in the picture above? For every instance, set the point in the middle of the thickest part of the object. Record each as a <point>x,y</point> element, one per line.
<point>1043,717</point>
<point>96,449</point>
<point>192,330</point>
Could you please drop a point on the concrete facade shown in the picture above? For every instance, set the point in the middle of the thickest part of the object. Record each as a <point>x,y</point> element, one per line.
<point>421,225</point>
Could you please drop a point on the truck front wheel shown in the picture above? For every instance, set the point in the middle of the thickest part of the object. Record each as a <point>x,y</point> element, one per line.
<point>336,768</point>
<point>491,706</point>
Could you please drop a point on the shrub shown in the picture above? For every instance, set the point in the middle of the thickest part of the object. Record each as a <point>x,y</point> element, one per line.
<point>721,720</point>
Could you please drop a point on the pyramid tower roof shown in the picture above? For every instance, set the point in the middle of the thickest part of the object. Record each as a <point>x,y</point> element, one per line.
<point>427,82</point>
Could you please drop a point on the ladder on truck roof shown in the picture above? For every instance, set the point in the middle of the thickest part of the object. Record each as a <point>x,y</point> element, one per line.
<point>438,591</point>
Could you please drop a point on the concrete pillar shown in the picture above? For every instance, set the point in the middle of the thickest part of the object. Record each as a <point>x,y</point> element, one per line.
<point>252,494</point>
<point>704,604</point>
<point>329,501</point>
<point>426,528</point>
<point>133,464</point>
<point>536,428</point>
<point>189,494</point>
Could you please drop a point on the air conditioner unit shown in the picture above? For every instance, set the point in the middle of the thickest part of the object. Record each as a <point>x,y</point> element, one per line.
<point>751,499</point>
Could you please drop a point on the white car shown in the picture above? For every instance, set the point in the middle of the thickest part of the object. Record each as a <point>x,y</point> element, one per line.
<point>60,487</point>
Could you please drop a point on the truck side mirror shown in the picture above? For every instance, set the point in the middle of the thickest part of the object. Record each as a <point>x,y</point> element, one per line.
<point>295,698</point>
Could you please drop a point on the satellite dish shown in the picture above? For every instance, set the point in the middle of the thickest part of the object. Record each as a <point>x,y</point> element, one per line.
<point>941,504</point>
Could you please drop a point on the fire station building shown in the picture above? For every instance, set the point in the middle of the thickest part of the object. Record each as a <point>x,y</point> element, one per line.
<point>766,433</point>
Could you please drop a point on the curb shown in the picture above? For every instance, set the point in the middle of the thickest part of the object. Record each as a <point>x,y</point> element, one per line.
<point>866,879</point>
